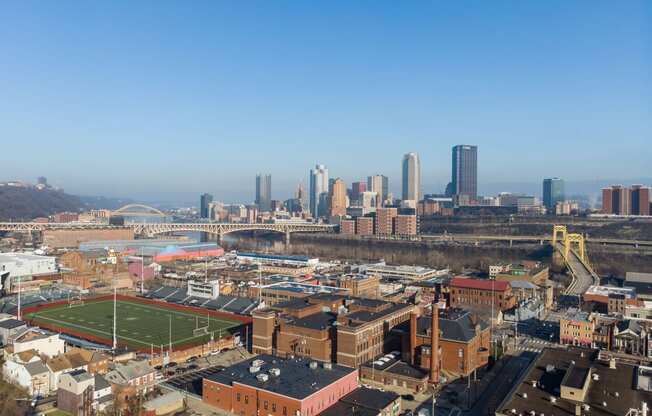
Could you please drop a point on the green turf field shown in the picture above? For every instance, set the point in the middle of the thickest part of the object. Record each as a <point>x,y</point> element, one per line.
<point>138,325</point>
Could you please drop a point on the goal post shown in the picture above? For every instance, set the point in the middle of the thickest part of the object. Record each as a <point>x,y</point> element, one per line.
<point>197,332</point>
<point>75,301</point>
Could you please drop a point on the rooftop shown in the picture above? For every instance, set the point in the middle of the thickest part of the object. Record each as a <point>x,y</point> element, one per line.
<point>610,391</point>
<point>296,379</point>
<point>318,321</point>
<point>480,284</point>
<point>11,324</point>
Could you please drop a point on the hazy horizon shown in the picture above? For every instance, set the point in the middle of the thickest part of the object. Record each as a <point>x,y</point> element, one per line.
<point>162,101</point>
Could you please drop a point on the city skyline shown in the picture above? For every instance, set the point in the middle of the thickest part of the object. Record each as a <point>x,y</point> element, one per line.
<point>533,86</point>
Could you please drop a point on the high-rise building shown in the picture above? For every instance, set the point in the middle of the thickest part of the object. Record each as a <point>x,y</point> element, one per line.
<point>357,188</point>
<point>318,189</point>
<point>264,192</point>
<point>464,178</point>
<point>385,220</point>
<point>620,200</point>
<point>204,202</point>
<point>640,204</point>
<point>553,192</point>
<point>380,185</point>
<point>411,177</point>
<point>337,198</point>
<point>616,200</point>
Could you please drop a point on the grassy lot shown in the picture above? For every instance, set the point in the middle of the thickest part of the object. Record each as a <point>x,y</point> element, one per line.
<point>138,325</point>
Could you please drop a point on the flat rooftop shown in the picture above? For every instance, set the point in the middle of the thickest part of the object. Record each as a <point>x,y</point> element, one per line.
<point>612,392</point>
<point>296,379</point>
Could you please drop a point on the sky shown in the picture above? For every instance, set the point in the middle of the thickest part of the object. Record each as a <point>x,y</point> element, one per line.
<point>165,100</point>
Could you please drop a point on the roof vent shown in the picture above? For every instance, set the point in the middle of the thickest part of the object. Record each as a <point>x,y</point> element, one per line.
<point>604,404</point>
<point>550,368</point>
<point>612,363</point>
<point>262,377</point>
<point>313,365</point>
<point>275,372</point>
<point>258,363</point>
<point>617,394</point>
<point>586,407</point>
<point>553,399</point>
<point>328,366</point>
<point>596,377</point>
<point>534,383</point>
<point>254,369</point>
<point>525,395</point>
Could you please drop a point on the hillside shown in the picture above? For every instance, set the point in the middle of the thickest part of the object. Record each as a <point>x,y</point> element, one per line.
<point>21,204</point>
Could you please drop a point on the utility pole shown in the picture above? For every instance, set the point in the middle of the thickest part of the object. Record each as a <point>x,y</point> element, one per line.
<point>170,334</point>
<point>19,314</point>
<point>142,271</point>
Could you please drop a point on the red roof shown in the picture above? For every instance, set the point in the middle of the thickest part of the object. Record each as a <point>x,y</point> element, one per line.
<point>481,284</point>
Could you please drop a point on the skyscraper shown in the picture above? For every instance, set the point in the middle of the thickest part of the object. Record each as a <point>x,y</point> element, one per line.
<point>357,188</point>
<point>640,204</point>
<point>264,192</point>
<point>464,178</point>
<point>318,189</point>
<point>204,202</point>
<point>380,185</point>
<point>553,192</point>
<point>338,198</point>
<point>411,177</point>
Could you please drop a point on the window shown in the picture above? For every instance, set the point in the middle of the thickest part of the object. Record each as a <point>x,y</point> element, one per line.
<point>246,399</point>
<point>285,411</point>
<point>273,407</point>
<point>265,405</point>
<point>237,397</point>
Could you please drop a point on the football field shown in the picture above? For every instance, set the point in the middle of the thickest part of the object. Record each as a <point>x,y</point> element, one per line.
<point>139,325</point>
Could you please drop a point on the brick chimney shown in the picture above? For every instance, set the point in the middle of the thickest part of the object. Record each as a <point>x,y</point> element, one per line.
<point>434,344</point>
<point>413,338</point>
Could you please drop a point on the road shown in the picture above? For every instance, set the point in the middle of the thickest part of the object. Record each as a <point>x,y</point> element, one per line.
<point>583,277</point>
<point>540,239</point>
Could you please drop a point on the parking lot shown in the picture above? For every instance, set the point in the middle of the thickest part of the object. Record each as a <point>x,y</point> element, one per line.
<point>192,382</point>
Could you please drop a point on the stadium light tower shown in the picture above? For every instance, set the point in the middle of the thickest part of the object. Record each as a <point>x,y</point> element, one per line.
<point>115,319</point>
<point>142,271</point>
<point>19,314</point>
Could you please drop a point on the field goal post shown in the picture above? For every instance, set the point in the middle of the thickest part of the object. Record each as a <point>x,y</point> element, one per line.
<point>75,300</point>
<point>200,330</point>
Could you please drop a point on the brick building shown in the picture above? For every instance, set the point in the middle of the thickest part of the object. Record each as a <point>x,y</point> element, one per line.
<point>364,226</point>
<point>72,238</point>
<point>576,328</point>
<point>385,220</point>
<point>360,285</point>
<point>464,341</point>
<point>406,225</point>
<point>481,293</point>
<point>278,387</point>
<point>347,227</point>
<point>349,331</point>
<point>621,200</point>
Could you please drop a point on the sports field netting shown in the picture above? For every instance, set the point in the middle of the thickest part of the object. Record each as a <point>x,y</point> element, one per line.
<point>138,325</point>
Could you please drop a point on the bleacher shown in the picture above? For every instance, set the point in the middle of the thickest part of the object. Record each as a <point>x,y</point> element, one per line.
<point>225,303</point>
<point>9,304</point>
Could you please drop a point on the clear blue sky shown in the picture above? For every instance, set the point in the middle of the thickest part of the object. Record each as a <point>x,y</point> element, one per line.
<point>161,100</point>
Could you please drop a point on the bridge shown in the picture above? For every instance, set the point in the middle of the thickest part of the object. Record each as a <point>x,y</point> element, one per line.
<point>150,230</point>
<point>138,210</point>
<point>572,248</point>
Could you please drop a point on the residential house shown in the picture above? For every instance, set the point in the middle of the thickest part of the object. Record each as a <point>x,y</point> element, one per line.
<point>131,379</point>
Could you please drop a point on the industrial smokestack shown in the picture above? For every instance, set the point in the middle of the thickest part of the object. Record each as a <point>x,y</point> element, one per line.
<point>413,338</point>
<point>434,344</point>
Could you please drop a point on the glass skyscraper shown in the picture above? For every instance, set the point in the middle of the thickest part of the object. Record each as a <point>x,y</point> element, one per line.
<point>264,192</point>
<point>411,177</point>
<point>553,192</point>
<point>318,191</point>
<point>464,178</point>
<point>204,208</point>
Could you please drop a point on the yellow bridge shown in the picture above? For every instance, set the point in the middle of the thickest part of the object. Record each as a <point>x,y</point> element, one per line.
<point>572,247</point>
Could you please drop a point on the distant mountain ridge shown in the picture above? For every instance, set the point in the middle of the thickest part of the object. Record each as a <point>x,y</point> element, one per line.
<point>25,203</point>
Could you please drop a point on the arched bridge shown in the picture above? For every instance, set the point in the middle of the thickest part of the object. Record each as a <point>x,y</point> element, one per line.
<point>149,230</point>
<point>572,247</point>
<point>138,210</point>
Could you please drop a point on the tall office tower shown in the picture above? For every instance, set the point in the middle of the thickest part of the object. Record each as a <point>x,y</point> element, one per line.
<point>411,177</point>
<point>204,202</point>
<point>264,192</point>
<point>357,188</point>
<point>380,185</point>
<point>616,200</point>
<point>318,188</point>
<point>338,198</point>
<point>640,204</point>
<point>464,178</point>
<point>553,192</point>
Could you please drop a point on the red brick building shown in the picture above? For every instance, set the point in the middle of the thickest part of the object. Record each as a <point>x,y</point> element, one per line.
<point>385,220</point>
<point>364,226</point>
<point>481,293</point>
<point>268,385</point>
<point>406,225</point>
<point>347,227</point>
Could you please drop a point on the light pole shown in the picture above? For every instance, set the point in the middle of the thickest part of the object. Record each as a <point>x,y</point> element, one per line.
<point>434,400</point>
